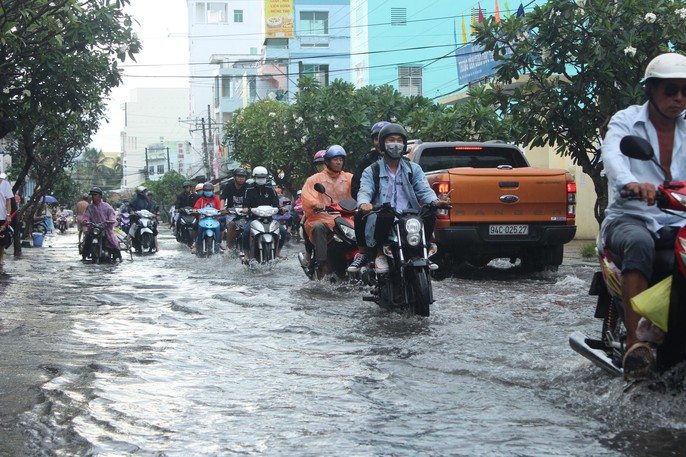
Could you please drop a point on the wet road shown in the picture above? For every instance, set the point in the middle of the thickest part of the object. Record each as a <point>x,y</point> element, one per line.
<point>169,355</point>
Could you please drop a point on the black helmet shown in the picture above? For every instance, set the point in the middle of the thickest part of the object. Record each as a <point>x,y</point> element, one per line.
<point>388,130</point>
<point>240,172</point>
<point>95,190</point>
<point>186,184</point>
<point>208,186</point>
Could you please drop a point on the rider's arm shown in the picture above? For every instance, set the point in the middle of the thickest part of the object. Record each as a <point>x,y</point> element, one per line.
<point>367,190</point>
<point>420,185</point>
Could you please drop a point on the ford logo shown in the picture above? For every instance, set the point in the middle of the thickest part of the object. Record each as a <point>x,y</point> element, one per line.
<point>509,199</point>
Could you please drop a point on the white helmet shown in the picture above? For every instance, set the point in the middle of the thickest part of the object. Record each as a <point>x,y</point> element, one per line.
<point>260,172</point>
<point>666,66</point>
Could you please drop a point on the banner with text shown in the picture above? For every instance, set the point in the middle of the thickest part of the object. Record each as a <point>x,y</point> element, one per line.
<point>278,15</point>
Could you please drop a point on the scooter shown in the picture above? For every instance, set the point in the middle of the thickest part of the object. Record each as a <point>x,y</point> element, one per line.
<point>241,221</point>
<point>407,284</point>
<point>62,224</point>
<point>186,220</point>
<point>142,232</point>
<point>607,351</point>
<point>342,244</point>
<point>264,232</point>
<point>207,226</point>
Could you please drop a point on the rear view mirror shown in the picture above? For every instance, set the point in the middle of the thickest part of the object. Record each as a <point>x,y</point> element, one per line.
<point>636,148</point>
<point>319,187</point>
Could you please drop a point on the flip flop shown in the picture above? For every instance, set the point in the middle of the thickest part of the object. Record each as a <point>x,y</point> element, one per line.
<point>639,362</point>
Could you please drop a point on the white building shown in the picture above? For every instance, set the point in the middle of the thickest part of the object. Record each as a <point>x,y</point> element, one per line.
<point>232,29</point>
<point>154,139</point>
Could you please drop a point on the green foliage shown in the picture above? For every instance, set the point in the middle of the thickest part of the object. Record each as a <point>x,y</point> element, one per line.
<point>285,137</point>
<point>580,63</point>
<point>589,250</point>
<point>94,169</point>
<point>165,190</point>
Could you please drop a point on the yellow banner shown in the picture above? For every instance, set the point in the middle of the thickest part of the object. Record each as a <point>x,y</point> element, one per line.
<point>278,16</point>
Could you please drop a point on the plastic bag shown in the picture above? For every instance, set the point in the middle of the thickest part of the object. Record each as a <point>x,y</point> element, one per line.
<point>653,303</point>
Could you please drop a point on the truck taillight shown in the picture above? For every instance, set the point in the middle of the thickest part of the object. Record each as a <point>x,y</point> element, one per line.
<point>442,187</point>
<point>571,199</point>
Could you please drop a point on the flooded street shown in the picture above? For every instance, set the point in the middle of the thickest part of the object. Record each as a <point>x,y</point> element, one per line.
<point>169,355</point>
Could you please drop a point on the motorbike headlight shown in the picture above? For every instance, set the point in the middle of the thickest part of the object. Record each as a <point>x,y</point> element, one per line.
<point>680,198</point>
<point>413,226</point>
<point>348,232</point>
<point>413,239</point>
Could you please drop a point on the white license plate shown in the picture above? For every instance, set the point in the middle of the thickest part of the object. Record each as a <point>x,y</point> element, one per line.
<point>514,229</point>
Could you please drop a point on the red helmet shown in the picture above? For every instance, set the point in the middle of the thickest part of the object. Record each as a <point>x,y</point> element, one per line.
<point>319,157</point>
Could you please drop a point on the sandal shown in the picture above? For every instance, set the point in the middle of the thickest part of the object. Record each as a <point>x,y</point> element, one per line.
<point>639,362</point>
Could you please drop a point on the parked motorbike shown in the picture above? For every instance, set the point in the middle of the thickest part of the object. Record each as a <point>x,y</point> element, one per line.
<point>184,234</point>
<point>142,232</point>
<point>607,351</point>
<point>342,244</point>
<point>62,224</point>
<point>207,223</point>
<point>100,250</point>
<point>407,284</point>
<point>264,234</point>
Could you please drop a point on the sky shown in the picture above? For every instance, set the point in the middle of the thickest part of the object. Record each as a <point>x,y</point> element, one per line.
<point>163,30</point>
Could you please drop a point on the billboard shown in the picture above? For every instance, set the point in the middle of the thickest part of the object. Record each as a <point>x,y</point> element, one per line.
<point>278,17</point>
<point>474,63</point>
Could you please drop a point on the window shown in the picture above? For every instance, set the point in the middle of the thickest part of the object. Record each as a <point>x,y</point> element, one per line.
<point>237,15</point>
<point>410,81</point>
<point>314,22</point>
<point>160,169</point>
<point>398,16</point>
<point>211,13</point>
<point>319,72</point>
<point>152,170</point>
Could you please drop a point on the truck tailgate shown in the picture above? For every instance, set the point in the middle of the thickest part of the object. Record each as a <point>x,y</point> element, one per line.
<point>513,195</point>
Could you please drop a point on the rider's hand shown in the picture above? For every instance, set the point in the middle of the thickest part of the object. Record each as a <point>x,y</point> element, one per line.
<point>646,191</point>
<point>366,207</point>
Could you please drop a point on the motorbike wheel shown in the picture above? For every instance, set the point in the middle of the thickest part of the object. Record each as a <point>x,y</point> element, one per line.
<point>614,331</point>
<point>207,246</point>
<point>96,253</point>
<point>146,241</point>
<point>267,252</point>
<point>420,298</point>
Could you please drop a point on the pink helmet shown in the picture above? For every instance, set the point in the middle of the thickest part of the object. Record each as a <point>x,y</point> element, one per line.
<point>319,156</point>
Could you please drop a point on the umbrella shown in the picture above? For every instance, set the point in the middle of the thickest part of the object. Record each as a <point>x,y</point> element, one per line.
<point>49,199</point>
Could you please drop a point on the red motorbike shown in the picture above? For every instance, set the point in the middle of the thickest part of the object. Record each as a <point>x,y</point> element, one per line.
<point>342,244</point>
<point>607,352</point>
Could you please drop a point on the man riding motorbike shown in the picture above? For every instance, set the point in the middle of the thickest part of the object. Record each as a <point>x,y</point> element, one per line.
<point>187,198</point>
<point>319,223</point>
<point>100,212</point>
<point>372,156</point>
<point>232,196</point>
<point>257,195</point>
<point>633,228</point>
<point>208,199</point>
<point>401,183</point>
<point>140,202</point>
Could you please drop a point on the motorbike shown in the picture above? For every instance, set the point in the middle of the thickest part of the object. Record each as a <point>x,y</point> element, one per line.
<point>62,224</point>
<point>207,223</point>
<point>342,244</point>
<point>100,251</point>
<point>184,234</point>
<point>607,351</point>
<point>407,284</point>
<point>241,221</point>
<point>264,232</point>
<point>142,232</point>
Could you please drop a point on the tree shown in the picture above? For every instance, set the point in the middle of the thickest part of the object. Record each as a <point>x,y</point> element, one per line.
<point>575,64</point>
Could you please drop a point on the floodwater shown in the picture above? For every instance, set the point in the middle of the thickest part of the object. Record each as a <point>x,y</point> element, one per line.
<point>169,355</point>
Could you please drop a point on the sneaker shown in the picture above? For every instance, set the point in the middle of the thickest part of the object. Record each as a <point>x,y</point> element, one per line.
<point>381,264</point>
<point>359,260</point>
<point>305,263</point>
<point>638,362</point>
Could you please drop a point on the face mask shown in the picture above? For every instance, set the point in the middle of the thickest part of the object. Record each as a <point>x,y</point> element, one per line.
<point>395,150</point>
<point>208,193</point>
<point>199,192</point>
<point>260,181</point>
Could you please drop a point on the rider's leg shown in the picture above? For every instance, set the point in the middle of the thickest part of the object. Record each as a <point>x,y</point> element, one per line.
<point>230,234</point>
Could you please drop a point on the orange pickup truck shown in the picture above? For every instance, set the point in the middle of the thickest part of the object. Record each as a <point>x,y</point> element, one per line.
<point>501,206</point>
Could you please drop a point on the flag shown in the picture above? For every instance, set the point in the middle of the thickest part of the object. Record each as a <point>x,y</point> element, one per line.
<point>473,21</point>
<point>507,9</point>
<point>464,32</point>
<point>520,10</point>
<point>220,151</point>
<point>481,14</point>
<point>497,13</point>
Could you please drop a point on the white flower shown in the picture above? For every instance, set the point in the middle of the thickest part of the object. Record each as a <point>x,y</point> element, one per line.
<point>303,140</point>
<point>630,51</point>
<point>394,119</point>
<point>580,3</point>
<point>682,13</point>
<point>330,118</point>
<point>650,18</point>
<point>272,114</point>
<point>26,93</point>
<point>299,120</point>
<point>558,13</point>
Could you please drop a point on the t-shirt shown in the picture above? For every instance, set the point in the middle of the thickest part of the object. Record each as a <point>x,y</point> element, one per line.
<point>204,202</point>
<point>232,196</point>
<point>5,193</point>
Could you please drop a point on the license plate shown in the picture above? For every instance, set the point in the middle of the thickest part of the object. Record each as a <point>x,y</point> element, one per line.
<point>514,229</point>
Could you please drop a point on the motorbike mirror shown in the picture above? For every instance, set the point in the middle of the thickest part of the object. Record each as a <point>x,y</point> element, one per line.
<point>636,148</point>
<point>319,187</point>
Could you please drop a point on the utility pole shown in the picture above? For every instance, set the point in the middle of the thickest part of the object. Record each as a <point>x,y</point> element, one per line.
<point>208,167</point>
<point>168,161</point>
<point>146,164</point>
